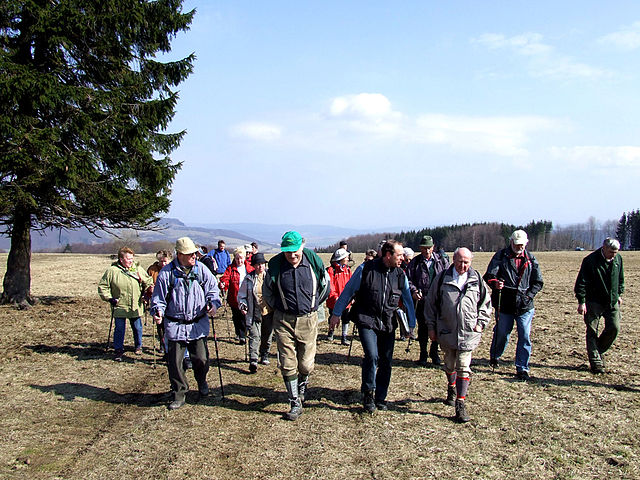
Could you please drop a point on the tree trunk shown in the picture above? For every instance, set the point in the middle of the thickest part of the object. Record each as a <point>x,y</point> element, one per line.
<point>17,279</point>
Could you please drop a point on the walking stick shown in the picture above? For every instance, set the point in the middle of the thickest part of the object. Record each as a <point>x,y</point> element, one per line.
<point>493,340</point>
<point>153,337</point>
<point>215,342</point>
<point>409,344</point>
<point>353,335</point>
<point>106,347</point>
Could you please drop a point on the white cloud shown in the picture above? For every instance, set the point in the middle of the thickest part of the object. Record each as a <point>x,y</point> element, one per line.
<point>265,132</point>
<point>366,112</point>
<point>590,156</point>
<point>627,38</point>
<point>543,60</point>
<point>505,136</point>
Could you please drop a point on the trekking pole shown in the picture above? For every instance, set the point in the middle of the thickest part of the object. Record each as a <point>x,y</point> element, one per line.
<point>493,340</point>
<point>409,344</point>
<point>106,347</point>
<point>353,336</point>
<point>215,342</point>
<point>153,337</point>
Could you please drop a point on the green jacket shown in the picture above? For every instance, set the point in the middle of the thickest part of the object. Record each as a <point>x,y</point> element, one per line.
<point>599,281</point>
<point>127,287</point>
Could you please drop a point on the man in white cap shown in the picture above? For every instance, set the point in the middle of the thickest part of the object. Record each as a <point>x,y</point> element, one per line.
<point>515,278</point>
<point>185,294</point>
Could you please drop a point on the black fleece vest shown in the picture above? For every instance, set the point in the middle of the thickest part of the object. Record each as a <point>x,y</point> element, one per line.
<point>378,297</point>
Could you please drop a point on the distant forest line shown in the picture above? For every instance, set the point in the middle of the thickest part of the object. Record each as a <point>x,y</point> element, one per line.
<point>493,236</point>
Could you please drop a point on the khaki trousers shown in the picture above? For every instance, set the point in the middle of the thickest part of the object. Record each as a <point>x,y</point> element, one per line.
<point>296,339</point>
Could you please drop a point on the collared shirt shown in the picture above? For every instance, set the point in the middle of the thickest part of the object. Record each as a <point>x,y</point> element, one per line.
<point>296,286</point>
<point>460,279</point>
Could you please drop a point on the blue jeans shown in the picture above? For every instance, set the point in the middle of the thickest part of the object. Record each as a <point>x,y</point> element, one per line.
<point>118,333</point>
<point>502,331</point>
<point>376,364</point>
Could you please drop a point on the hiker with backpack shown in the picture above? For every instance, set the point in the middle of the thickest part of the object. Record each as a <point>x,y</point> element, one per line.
<point>377,287</point>
<point>184,297</point>
<point>123,285</point>
<point>230,282</point>
<point>457,309</point>
<point>163,257</point>
<point>221,257</point>
<point>515,278</point>
<point>339,273</point>
<point>296,286</point>
<point>258,315</point>
<point>421,271</point>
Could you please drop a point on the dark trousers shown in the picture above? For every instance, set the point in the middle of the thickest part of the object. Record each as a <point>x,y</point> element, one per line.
<point>266,334</point>
<point>239,322</point>
<point>377,361</point>
<point>597,345</point>
<point>423,333</point>
<point>199,354</point>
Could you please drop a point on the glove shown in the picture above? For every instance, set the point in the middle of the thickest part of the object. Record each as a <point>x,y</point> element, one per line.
<point>113,301</point>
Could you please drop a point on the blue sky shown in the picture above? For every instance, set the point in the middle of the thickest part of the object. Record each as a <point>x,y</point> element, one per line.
<point>414,114</point>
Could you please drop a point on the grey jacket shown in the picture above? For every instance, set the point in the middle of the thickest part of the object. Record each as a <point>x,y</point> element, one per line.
<point>453,313</point>
<point>248,296</point>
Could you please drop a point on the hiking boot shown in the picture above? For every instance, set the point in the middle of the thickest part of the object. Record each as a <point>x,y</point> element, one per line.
<point>117,356</point>
<point>597,369</point>
<point>436,360</point>
<point>523,375</point>
<point>344,341</point>
<point>295,410</point>
<point>330,336</point>
<point>461,412</point>
<point>264,360</point>
<point>382,405</point>
<point>493,363</point>
<point>368,402</point>
<point>451,396</point>
<point>186,364</point>
<point>176,404</point>
<point>253,367</point>
<point>242,341</point>
<point>203,389</point>
<point>138,351</point>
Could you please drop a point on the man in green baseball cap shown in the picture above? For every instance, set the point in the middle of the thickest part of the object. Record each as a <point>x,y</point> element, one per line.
<point>295,287</point>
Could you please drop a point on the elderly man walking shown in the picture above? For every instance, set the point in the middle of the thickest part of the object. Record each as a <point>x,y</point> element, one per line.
<point>457,310</point>
<point>377,285</point>
<point>515,278</point>
<point>598,288</point>
<point>295,287</point>
<point>184,296</point>
<point>421,271</point>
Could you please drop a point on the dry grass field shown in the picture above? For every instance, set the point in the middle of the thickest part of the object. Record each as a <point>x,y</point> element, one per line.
<point>70,412</point>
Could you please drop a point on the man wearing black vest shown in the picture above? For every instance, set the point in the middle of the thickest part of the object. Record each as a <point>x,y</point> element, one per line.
<point>378,286</point>
<point>421,271</point>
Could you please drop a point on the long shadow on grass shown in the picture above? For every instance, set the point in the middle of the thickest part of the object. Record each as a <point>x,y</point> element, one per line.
<point>93,351</point>
<point>69,391</point>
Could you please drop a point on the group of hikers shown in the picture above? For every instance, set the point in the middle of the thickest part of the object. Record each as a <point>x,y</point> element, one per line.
<point>451,304</point>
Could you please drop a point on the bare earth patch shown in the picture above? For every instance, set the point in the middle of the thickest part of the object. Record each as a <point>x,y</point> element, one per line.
<point>71,412</point>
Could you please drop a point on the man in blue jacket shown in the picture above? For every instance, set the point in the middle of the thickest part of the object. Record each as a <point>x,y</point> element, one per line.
<point>185,295</point>
<point>222,257</point>
<point>377,285</point>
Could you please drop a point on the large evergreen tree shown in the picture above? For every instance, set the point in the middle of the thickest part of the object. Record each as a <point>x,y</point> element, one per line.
<point>83,107</point>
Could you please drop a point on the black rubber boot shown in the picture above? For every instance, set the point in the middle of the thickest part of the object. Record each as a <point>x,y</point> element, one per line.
<point>433,354</point>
